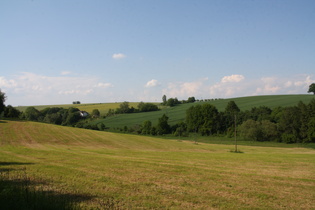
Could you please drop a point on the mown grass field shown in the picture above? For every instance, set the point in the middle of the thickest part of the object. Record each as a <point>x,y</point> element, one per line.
<point>127,171</point>
<point>178,113</point>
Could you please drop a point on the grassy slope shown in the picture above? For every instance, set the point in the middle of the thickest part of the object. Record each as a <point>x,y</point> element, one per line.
<point>178,113</point>
<point>144,172</point>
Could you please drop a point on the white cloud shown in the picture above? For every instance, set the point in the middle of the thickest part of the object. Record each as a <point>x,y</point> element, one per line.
<point>152,83</point>
<point>185,89</point>
<point>118,56</point>
<point>65,72</point>
<point>233,78</point>
<point>103,85</point>
<point>31,89</point>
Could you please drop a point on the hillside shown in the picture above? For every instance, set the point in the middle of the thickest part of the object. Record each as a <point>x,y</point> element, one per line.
<point>107,170</point>
<point>178,112</point>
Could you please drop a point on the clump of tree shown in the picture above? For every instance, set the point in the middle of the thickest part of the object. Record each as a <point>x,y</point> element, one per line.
<point>125,108</point>
<point>11,112</point>
<point>54,115</point>
<point>202,119</point>
<point>147,107</point>
<point>174,101</point>
<point>2,100</point>
<point>96,113</point>
<point>311,88</point>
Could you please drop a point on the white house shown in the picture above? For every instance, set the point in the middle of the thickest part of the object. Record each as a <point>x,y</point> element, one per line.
<point>84,113</point>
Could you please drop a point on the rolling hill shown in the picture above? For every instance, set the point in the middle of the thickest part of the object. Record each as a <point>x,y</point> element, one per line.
<point>178,112</point>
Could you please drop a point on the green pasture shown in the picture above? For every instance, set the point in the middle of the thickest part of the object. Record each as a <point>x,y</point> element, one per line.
<point>106,170</point>
<point>178,112</point>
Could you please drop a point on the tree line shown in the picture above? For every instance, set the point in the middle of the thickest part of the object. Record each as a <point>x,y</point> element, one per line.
<point>125,108</point>
<point>295,124</point>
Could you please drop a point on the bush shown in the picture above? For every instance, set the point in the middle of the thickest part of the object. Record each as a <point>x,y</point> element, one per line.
<point>288,138</point>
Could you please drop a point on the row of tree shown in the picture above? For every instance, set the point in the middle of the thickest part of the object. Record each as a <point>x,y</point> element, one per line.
<point>125,108</point>
<point>174,101</point>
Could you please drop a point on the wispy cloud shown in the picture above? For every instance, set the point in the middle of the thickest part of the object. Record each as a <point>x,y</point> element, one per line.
<point>237,86</point>
<point>34,89</point>
<point>65,72</point>
<point>185,89</point>
<point>118,56</point>
<point>152,83</point>
<point>232,78</point>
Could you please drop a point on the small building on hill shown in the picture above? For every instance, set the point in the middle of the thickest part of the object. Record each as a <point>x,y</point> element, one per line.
<point>84,114</point>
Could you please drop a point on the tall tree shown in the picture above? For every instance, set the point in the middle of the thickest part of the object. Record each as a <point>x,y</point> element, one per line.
<point>96,113</point>
<point>124,107</point>
<point>191,99</point>
<point>31,113</point>
<point>202,118</point>
<point>164,99</point>
<point>311,88</point>
<point>146,127</point>
<point>163,127</point>
<point>2,100</point>
<point>231,108</point>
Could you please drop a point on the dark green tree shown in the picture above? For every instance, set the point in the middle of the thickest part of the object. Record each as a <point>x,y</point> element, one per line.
<point>96,113</point>
<point>311,88</point>
<point>290,124</point>
<point>124,107</point>
<point>147,107</point>
<point>180,129</point>
<point>163,127</point>
<point>2,100</point>
<point>250,130</point>
<point>170,102</point>
<point>193,118</point>
<point>203,119</point>
<point>11,112</point>
<point>146,127</point>
<point>164,100</point>
<point>231,108</point>
<point>311,130</point>
<point>31,113</point>
<point>191,99</point>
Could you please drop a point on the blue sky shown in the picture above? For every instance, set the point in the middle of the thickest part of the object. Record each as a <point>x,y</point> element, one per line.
<point>56,52</point>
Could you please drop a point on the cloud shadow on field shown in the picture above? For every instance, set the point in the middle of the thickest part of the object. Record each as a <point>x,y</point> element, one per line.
<point>18,191</point>
<point>14,163</point>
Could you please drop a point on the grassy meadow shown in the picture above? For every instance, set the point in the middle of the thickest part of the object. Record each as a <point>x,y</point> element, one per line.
<point>108,170</point>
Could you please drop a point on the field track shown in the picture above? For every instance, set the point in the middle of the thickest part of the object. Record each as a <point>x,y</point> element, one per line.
<point>143,172</point>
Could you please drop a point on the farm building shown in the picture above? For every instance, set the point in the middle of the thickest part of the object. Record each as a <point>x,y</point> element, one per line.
<point>84,113</point>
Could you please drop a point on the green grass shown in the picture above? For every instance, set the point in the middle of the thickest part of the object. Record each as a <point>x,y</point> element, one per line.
<point>131,172</point>
<point>178,113</point>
